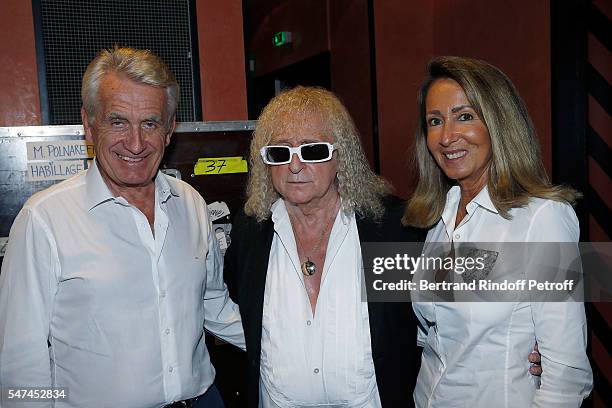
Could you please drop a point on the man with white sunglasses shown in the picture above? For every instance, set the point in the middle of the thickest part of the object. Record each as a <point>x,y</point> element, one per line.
<point>295,268</point>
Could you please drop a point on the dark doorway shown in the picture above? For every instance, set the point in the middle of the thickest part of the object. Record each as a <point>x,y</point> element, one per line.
<point>313,71</point>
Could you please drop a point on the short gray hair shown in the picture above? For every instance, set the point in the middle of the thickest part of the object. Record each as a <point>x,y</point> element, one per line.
<point>138,65</point>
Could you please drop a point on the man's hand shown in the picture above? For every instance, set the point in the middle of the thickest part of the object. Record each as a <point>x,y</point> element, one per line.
<point>535,358</point>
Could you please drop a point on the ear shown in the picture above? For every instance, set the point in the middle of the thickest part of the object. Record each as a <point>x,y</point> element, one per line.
<point>86,127</point>
<point>170,130</point>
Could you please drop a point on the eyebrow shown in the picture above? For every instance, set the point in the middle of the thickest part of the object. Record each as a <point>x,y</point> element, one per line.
<point>153,118</point>
<point>460,107</point>
<point>117,115</point>
<point>114,115</point>
<point>455,109</point>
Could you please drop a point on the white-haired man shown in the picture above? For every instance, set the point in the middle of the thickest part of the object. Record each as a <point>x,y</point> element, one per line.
<point>111,276</point>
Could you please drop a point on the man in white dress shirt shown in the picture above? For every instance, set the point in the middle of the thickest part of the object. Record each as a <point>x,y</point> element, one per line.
<point>295,266</point>
<point>111,276</point>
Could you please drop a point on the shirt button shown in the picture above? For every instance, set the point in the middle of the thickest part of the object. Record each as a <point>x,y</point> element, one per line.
<point>162,294</point>
<point>170,369</point>
<point>308,322</point>
<point>316,371</point>
<point>457,236</point>
<point>167,331</point>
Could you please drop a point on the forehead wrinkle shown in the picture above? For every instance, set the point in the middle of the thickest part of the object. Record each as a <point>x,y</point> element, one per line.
<point>112,95</point>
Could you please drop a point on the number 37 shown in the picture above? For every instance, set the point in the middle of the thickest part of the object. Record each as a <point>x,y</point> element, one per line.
<point>215,166</point>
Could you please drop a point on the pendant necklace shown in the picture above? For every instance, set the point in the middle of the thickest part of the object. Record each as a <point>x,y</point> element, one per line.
<point>309,268</point>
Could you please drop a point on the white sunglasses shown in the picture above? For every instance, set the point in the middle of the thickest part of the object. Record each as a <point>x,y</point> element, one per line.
<point>307,153</point>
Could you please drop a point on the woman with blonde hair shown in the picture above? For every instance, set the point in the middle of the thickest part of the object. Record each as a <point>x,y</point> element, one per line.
<point>481,180</point>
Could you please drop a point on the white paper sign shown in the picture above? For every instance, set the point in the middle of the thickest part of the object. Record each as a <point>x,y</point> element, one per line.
<point>59,150</point>
<point>54,170</point>
<point>217,210</point>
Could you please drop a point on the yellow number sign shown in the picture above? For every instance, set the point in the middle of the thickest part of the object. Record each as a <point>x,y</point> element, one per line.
<point>220,165</point>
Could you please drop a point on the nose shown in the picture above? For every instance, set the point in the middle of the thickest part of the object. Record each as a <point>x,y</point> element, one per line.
<point>449,134</point>
<point>134,141</point>
<point>295,165</point>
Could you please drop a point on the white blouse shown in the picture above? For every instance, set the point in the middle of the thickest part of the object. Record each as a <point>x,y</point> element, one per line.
<point>475,353</point>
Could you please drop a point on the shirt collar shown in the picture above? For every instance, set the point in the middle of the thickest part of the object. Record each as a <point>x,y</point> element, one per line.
<point>97,190</point>
<point>483,199</point>
<point>453,196</point>
<point>163,188</point>
<point>279,212</point>
<point>99,193</point>
<point>278,209</point>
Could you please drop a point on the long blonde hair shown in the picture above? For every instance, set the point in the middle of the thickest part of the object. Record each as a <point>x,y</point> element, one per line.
<point>359,187</point>
<point>516,172</point>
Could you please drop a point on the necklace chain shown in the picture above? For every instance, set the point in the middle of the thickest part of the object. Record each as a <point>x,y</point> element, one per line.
<point>309,267</point>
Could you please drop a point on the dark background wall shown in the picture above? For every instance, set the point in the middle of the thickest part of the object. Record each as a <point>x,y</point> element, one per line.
<point>514,36</point>
<point>376,54</point>
<point>378,50</point>
<point>221,46</point>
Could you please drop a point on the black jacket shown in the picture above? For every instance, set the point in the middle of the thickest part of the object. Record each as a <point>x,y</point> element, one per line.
<point>392,325</point>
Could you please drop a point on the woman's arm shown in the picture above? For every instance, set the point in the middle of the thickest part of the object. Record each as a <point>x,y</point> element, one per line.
<point>561,334</point>
<point>560,327</point>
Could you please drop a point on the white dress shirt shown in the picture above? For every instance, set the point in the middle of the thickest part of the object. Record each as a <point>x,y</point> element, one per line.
<point>325,359</point>
<point>475,353</point>
<point>123,309</point>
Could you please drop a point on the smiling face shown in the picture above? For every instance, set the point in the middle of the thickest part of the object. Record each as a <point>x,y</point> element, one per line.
<point>305,184</point>
<point>456,137</point>
<point>129,133</point>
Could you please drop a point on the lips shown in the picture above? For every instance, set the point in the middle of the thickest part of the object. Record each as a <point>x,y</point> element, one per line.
<point>296,180</point>
<point>457,154</point>
<point>129,159</point>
